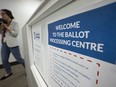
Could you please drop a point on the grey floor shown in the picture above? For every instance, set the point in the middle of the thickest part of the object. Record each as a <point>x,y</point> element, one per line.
<point>18,79</point>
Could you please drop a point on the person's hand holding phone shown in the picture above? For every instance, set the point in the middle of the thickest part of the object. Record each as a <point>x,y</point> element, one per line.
<point>3,23</point>
<point>4,26</point>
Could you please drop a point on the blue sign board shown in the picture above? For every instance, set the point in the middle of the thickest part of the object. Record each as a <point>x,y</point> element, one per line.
<point>92,33</point>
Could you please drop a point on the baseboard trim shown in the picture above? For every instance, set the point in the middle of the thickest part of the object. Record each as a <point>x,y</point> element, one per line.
<point>12,64</point>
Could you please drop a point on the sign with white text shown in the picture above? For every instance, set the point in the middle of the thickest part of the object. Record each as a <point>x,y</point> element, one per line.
<point>91,33</point>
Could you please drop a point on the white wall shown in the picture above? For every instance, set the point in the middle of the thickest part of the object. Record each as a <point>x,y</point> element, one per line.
<point>76,7</point>
<point>22,11</point>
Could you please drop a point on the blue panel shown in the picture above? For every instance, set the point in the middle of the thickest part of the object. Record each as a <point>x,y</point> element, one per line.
<point>97,29</point>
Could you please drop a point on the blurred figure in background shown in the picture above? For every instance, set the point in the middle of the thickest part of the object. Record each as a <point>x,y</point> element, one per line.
<point>9,40</point>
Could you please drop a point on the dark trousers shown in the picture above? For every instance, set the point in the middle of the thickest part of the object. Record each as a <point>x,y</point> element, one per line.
<point>5,53</point>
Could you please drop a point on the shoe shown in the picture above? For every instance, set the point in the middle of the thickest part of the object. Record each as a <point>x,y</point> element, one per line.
<point>6,76</point>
